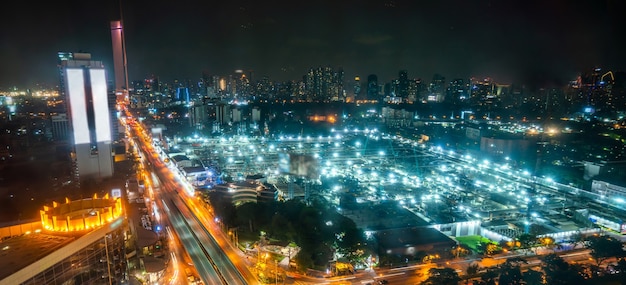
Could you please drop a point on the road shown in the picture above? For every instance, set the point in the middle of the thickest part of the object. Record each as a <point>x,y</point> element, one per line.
<point>212,263</point>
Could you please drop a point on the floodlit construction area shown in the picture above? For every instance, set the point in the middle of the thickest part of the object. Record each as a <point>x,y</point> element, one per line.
<point>356,170</point>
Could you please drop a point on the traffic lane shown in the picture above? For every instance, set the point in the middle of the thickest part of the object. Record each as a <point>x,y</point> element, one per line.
<point>225,266</point>
<point>206,271</point>
<point>232,254</point>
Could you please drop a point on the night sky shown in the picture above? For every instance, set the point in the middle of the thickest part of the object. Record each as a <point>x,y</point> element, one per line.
<point>533,42</point>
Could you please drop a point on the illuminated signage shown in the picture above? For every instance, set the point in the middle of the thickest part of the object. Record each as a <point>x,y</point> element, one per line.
<point>100,104</point>
<point>116,193</point>
<point>76,88</point>
<point>78,104</point>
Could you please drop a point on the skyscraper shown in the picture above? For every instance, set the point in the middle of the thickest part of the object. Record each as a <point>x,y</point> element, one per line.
<point>436,89</point>
<point>89,112</point>
<point>402,90</point>
<point>357,87</point>
<point>372,87</point>
<point>456,91</point>
<point>119,56</point>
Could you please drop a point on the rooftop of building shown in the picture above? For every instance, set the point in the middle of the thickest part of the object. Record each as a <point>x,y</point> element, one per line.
<point>415,236</point>
<point>194,169</point>
<point>30,248</point>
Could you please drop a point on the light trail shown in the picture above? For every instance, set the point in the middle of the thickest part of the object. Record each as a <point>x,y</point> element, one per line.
<point>176,269</point>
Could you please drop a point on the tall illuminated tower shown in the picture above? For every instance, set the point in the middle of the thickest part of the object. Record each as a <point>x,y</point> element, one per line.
<point>119,56</point>
<point>88,107</point>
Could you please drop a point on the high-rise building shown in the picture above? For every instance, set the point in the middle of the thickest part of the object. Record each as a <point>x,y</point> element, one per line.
<point>256,114</point>
<point>324,84</point>
<point>436,88</point>
<point>237,116</point>
<point>415,91</point>
<point>62,58</point>
<point>60,127</point>
<point>337,89</point>
<point>222,113</point>
<point>372,87</point>
<point>119,56</point>
<point>198,116</point>
<point>457,91</point>
<point>357,87</point>
<point>402,90</point>
<point>90,116</point>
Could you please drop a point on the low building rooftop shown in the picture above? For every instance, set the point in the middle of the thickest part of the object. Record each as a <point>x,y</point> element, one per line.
<point>20,251</point>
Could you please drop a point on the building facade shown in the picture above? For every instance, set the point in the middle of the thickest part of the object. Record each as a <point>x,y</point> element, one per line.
<point>90,116</point>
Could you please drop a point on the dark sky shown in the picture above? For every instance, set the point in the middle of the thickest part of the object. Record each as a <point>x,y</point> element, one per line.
<point>547,41</point>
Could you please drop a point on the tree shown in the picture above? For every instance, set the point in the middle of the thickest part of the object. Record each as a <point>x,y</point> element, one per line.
<point>510,271</point>
<point>472,269</point>
<point>489,248</point>
<point>527,241</point>
<point>603,247</point>
<point>223,207</point>
<point>282,229</point>
<point>532,277</point>
<point>577,239</point>
<point>246,216</point>
<point>489,277</point>
<point>510,275</point>
<point>461,250</point>
<point>620,268</point>
<point>304,259</point>
<point>442,276</point>
<point>558,271</point>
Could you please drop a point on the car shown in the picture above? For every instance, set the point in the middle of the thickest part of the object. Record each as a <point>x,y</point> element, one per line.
<point>384,281</point>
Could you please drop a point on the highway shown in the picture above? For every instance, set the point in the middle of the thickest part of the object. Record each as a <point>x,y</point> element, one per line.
<point>199,255</point>
<point>212,262</point>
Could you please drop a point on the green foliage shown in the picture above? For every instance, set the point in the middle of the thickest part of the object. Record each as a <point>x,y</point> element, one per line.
<point>489,277</point>
<point>460,250</point>
<point>304,258</point>
<point>489,248</point>
<point>317,230</point>
<point>223,207</point>
<point>282,229</point>
<point>442,276</point>
<point>558,271</point>
<point>510,271</point>
<point>532,277</point>
<point>472,269</point>
<point>603,247</point>
<point>577,239</point>
<point>527,240</point>
<point>620,267</point>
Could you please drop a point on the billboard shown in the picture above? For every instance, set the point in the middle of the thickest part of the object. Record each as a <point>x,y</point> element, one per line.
<point>78,99</point>
<point>78,105</point>
<point>100,104</point>
<point>298,164</point>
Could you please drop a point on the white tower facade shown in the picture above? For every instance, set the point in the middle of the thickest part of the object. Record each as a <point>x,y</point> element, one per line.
<point>88,107</point>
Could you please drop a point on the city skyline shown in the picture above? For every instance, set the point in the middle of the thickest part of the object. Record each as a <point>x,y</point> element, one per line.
<point>446,149</point>
<point>534,42</point>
